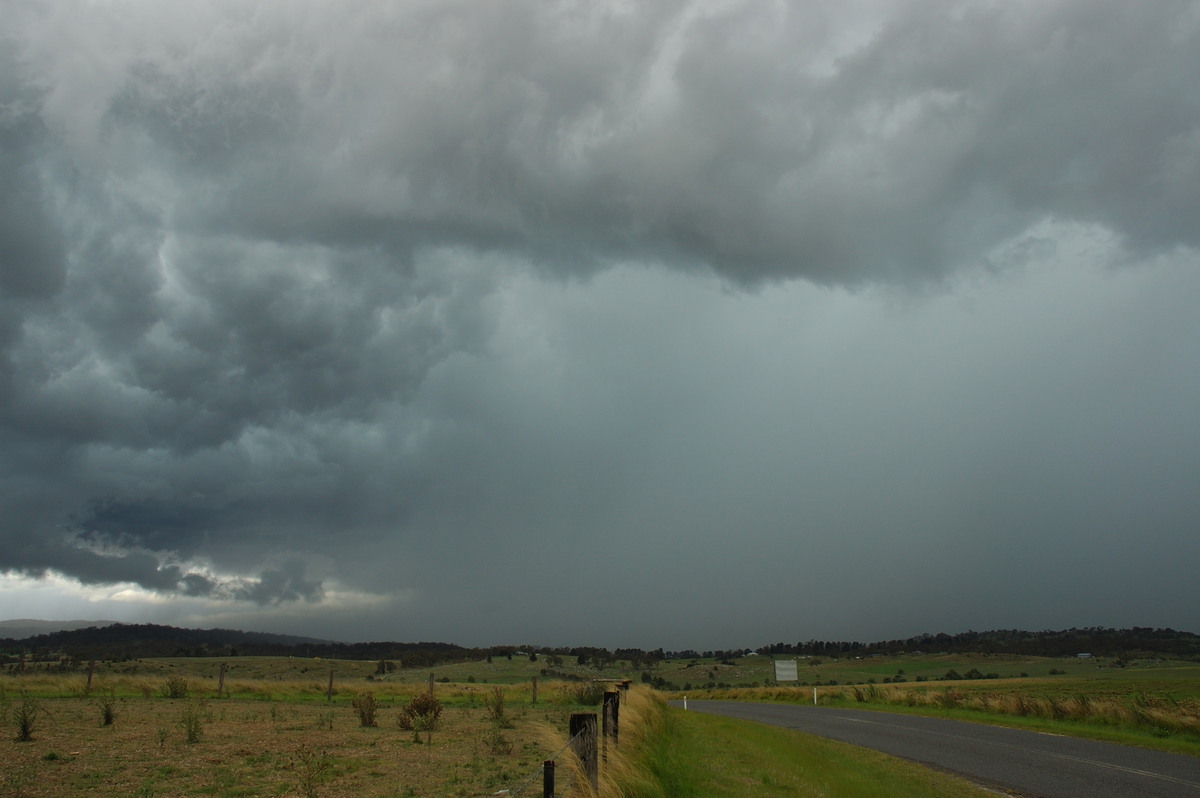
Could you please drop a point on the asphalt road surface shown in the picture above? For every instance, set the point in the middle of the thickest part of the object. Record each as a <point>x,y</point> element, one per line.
<point>1019,762</point>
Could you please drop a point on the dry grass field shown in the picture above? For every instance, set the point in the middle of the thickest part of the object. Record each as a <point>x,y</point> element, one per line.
<point>268,747</point>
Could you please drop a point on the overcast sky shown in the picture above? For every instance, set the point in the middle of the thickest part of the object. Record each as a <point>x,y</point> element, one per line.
<point>681,324</point>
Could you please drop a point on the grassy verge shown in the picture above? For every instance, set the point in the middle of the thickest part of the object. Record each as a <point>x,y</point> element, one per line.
<point>694,754</point>
<point>1112,710</point>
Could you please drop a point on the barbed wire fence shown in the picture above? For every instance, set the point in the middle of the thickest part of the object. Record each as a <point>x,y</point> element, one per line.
<point>541,771</point>
<point>583,742</point>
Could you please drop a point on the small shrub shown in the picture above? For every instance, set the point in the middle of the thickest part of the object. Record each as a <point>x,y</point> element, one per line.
<point>175,687</point>
<point>494,704</point>
<point>367,708</point>
<point>422,714</point>
<point>310,767</point>
<point>192,721</point>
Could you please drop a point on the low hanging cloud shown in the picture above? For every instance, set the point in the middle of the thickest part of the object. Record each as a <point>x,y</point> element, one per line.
<point>270,273</point>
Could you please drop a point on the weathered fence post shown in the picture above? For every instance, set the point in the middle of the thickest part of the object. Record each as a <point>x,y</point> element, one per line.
<point>221,682</point>
<point>548,779</point>
<point>329,690</point>
<point>91,670</point>
<point>431,684</point>
<point>535,689</point>
<point>611,706</point>
<point>583,743</point>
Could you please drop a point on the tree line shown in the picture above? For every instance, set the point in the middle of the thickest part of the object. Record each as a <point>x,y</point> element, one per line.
<point>1098,641</point>
<point>120,642</point>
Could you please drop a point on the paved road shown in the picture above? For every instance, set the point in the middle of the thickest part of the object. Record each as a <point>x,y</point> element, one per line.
<point>1020,762</point>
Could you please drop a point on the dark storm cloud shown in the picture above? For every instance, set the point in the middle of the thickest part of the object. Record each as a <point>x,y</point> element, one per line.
<point>307,298</point>
<point>746,138</point>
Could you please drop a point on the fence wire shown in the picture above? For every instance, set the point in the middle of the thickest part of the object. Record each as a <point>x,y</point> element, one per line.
<point>541,769</point>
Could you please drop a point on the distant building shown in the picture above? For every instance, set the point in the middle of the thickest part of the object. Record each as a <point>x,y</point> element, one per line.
<point>1084,656</point>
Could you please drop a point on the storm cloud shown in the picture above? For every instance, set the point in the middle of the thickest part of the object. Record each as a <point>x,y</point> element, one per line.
<point>709,323</point>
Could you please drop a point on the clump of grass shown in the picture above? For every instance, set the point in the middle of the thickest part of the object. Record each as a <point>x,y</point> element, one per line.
<point>366,706</point>
<point>497,743</point>
<point>107,704</point>
<point>25,716</point>
<point>588,694</point>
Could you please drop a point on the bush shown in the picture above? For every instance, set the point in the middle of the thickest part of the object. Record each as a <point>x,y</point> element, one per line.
<point>367,708</point>
<point>421,715</point>
<point>175,687</point>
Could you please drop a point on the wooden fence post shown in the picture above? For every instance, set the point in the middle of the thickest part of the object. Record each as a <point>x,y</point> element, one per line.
<point>548,779</point>
<point>535,689</point>
<point>611,706</point>
<point>583,743</point>
<point>431,685</point>
<point>221,682</point>
<point>329,691</point>
<point>91,670</point>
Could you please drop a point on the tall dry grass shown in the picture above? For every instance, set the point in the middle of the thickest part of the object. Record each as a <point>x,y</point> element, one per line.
<point>625,770</point>
<point>1156,714</point>
<point>1159,715</point>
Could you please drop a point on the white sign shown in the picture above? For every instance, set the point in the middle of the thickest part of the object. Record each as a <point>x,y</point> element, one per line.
<point>785,670</point>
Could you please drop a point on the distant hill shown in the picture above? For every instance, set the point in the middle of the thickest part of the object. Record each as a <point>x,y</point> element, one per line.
<point>20,628</point>
<point>121,641</point>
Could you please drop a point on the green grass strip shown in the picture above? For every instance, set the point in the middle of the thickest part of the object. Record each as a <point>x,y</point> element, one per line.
<point>711,756</point>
